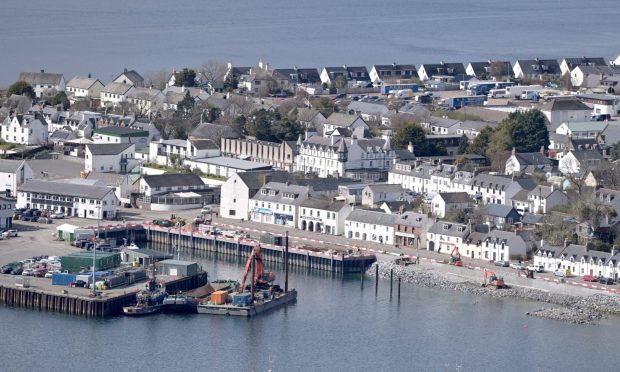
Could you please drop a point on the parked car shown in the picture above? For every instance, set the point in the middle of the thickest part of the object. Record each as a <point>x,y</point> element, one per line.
<point>206,209</point>
<point>606,281</point>
<point>17,271</point>
<point>27,272</point>
<point>518,266</point>
<point>501,263</point>
<point>45,220</point>
<point>10,233</point>
<point>57,215</point>
<point>39,273</point>
<point>561,273</point>
<point>49,274</point>
<point>6,269</point>
<point>589,278</point>
<point>538,269</point>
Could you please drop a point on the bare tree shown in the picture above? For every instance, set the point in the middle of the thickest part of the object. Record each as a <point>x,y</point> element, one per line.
<point>157,78</point>
<point>212,73</point>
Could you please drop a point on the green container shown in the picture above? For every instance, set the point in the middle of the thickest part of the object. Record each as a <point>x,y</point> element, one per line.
<point>75,262</point>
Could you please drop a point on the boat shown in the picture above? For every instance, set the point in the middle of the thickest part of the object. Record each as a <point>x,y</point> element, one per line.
<point>268,301</point>
<point>133,246</point>
<point>149,301</point>
<point>227,285</point>
<point>180,303</point>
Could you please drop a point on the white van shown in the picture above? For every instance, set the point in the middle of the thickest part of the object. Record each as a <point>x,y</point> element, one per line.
<point>497,93</point>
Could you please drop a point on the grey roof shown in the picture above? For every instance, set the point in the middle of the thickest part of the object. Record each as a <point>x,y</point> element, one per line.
<point>151,253</point>
<point>565,104</point>
<point>580,251</point>
<point>481,68</point>
<point>395,67</point>
<point>117,88</point>
<point>173,179</point>
<point>214,131</point>
<point>545,66</point>
<point>341,120</point>
<point>413,219</point>
<point>10,166</point>
<point>132,75</point>
<point>542,191</point>
<point>385,187</point>
<point>121,131</point>
<point>174,142</point>
<point>108,148</point>
<point>597,70</point>
<point>489,180</point>
<point>478,125</point>
<point>40,78</point>
<point>368,108</point>
<point>203,144</point>
<point>449,69</point>
<point>254,179</point>
<point>573,62</point>
<point>306,114</point>
<point>324,204</point>
<point>372,217</point>
<point>532,158</point>
<point>455,197</point>
<point>586,155</point>
<point>531,219</point>
<point>144,93</point>
<point>443,122</point>
<point>111,179</point>
<point>300,193</point>
<point>234,163</point>
<point>65,188</point>
<point>81,82</point>
<point>325,184</point>
<point>586,126</point>
<point>450,228</point>
<point>61,134</point>
<point>498,210</point>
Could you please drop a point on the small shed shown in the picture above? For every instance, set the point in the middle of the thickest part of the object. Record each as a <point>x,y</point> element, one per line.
<point>145,257</point>
<point>178,268</point>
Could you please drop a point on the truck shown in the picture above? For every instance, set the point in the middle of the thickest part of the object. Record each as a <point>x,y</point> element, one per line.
<point>388,88</point>
<point>462,101</point>
<point>403,93</point>
<point>517,90</point>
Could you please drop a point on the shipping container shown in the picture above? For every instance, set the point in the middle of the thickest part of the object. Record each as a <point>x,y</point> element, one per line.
<point>219,297</point>
<point>241,299</point>
<point>85,278</point>
<point>272,239</point>
<point>63,279</point>
<point>133,276</point>
<point>116,281</point>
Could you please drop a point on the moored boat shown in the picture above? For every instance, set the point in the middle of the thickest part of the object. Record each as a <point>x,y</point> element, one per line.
<point>149,301</point>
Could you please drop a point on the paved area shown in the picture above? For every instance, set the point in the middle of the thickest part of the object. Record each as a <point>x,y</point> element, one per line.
<point>37,239</point>
<point>67,167</point>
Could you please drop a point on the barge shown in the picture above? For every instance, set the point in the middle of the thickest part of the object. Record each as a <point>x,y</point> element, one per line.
<point>257,307</point>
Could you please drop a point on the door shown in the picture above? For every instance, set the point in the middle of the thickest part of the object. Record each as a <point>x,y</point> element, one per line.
<point>173,271</point>
<point>431,246</point>
<point>494,256</point>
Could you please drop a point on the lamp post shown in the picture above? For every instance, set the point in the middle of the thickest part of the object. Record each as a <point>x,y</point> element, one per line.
<point>95,249</point>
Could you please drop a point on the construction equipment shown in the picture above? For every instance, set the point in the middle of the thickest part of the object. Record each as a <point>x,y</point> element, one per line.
<point>455,257</point>
<point>177,221</point>
<point>489,278</point>
<point>262,278</point>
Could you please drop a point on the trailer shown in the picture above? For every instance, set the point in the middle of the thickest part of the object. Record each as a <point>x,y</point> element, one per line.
<point>458,102</point>
<point>390,88</point>
<point>485,87</point>
<point>517,90</point>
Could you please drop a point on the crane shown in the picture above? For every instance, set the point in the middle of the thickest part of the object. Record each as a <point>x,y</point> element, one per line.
<point>455,257</point>
<point>489,278</point>
<point>261,278</point>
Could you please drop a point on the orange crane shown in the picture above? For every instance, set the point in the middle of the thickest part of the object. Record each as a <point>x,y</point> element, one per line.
<point>489,278</point>
<point>261,278</point>
<point>455,257</point>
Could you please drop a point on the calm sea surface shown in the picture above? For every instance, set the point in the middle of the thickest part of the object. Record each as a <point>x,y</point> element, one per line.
<point>102,37</point>
<point>334,326</point>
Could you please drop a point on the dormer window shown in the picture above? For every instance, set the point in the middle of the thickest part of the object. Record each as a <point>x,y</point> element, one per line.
<point>264,191</point>
<point>461,228</point>
<point>446,226</point>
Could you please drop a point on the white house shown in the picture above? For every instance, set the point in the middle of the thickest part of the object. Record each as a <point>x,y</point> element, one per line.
<point>590,76</point>
<point>374,194</point>
<point>110,157</point>
<point>75,198</point>
<point>323,215</point>
<point>240,187</point>
<point>544,198</point>
<point>44,83</point>
<point>443,203</point>
<point>444,236</point>
<point>13,173</point>
<point>562,110</point>
<point>340,120</point>
<point>7,207</point>
<point>144,100</point>
<point>117,134</point>
<point>536,69</point>
<point>278,203</point>
<point>496,245</point>
<point>527,163</point>
<point>393,72</point>
<point>130,77</point>
<point>568,64</point>
<point>585,129</point>
<point>114,94</point>
<point>308,117</point>
<point>437,125</point>
<point>84,87</point>
<point>576,162</point>
<point>377,227</point>
<point>25,130</point>
<point>578,260</point>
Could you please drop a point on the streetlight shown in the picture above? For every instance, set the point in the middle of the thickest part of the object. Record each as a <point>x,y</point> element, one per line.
<point>98,208</point>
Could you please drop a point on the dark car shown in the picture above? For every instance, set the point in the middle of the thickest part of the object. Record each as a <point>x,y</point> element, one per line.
<point>501,263</point>
<point>17,271</point>
<point>6,269</point>
<point>606,281</point>
<point>340,96</point>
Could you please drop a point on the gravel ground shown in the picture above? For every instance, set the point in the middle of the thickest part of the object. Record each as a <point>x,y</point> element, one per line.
<point>573,309</point>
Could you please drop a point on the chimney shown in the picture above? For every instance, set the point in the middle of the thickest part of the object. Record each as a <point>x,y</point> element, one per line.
<point>542,243</point>
<point>125,70</point>
<point>42,71</point>
<point>566,243</point>
<point>410,147</point>
<point>514,151</point>
<point>89,76</point>
<point>542,150</point>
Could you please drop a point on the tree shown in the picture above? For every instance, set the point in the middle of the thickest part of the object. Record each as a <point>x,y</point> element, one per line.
<point>259,126</point>
<point>230,83</point>
<point>185,78</point>
<point>157,79</point>
<point>287,130</point>
<point>61,99</point>
<point>185,107</point>
<point>340,82</point>
<point>324,105</point>
<point>408,132</point>
<point>213,73</point>
<point>480,144</point>
<point>530,131</point>
<point>615,151</point>
<point>463,144</point>
<point>21,88</point>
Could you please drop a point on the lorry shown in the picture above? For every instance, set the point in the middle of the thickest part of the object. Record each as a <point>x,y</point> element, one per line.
<point>458,102</point>
<point>389,88</point>
<point>402,94</point>
<point>517,90</point>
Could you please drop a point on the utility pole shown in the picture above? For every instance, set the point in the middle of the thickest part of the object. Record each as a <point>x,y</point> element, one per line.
<point>286,262</point>
<point>95,251</point>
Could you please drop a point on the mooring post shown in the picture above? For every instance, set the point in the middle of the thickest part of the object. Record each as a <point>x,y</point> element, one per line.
<point>286,263</point>
<point>362,274</point>
<point>376,279</point>
<point>391,280</point>
<point>399,288</point>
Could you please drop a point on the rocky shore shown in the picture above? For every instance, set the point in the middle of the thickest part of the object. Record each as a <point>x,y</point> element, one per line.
<point>573,309</point>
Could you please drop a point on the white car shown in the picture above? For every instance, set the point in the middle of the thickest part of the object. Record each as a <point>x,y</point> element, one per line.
<point>27,272</point>
<point>206,209</point>
<point>538,269</point>
<point>518,266</point>
<point>9,233</point>
<point>57,215</point>
<point>560,273</point>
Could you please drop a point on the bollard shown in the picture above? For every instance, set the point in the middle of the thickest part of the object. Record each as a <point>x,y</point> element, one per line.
<point>376,279</point>
<point>399,288</point>
<point>391,280</point>
<point>362,275</point>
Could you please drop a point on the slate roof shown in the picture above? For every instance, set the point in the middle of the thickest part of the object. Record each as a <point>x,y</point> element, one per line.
<point>372,217</point>
<point>300,193</point>
<point>455,197</point>
<point>204,144</point>
<point>450,229</point>
<point>173,179</point>
<point>545,66</point>
<point>498,210</point>
<point>325,184</point>
<point>121,132</point>
<point>532,158</point>
<point>341,120</point>
<point>81,82</point>
<point>586,126</point>
<point>541,191</point>
<point>116,88</point>
<point>447,69</point>
<point>40,78</point>
<point>324,204</point>
<point>65,188</point>
<point>214,131</point>
<point>144,93</point>
<point>111,179</point>
<point>565,104</point>
<point>384,187</point>
<point>253,179</point>
<point>586,155</point>
<point>61,134</point>
<point>573,62</point>
<point>108,148</point>
<point>443,122</point>
<point>368,108</point>
<point>413,219</point>
<point>133,76</point>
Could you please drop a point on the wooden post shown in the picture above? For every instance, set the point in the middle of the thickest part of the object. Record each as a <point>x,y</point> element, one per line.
<point>376,279</point>
<point>391,279</point>
<point>399,288</point>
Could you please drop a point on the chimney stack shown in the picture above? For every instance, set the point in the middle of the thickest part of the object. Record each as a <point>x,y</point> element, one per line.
<point>565,243</point>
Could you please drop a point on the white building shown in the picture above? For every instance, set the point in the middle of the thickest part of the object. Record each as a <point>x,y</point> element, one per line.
<point>44,83</point>
<point>75,198</point>
<point>114,94</point>
<point>323,215</point>
<point>562,110</point>
<point>578,260</point>
<point>7,207</point>
<point>444,236</point>
<point>496,245</point>
<point>377,227</point>
<point>159,184</point>
<point>110,157</point>
<point>84,87</point>
<point>344,121</point>
<point>446,202</point>
<point>240,187</point>
<point>590,76</point>
<point>161,152</point>
<point>373,195</point>
<point>144,100</point>
<point>278,203</point>
<point>544,198</point>
<point>25,130</point>
<point>117,134</point>
<point>13,173</point>
<point>585,129</point>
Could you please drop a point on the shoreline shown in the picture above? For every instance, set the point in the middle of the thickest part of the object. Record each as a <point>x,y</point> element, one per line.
<point>573,309</point>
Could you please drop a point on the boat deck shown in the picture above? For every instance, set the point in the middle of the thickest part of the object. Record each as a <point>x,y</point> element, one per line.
<point>247,311</point>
